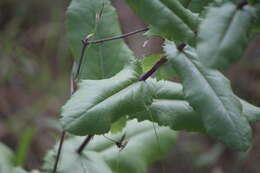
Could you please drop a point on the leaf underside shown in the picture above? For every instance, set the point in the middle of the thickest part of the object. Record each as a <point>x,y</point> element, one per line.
<point>167,18</point>
<point>102,155</point>
<point>210,95</point>
<point>227,27</point>
<point>98,103</point>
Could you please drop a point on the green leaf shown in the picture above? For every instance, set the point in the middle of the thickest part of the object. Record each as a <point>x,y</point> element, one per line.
<point>7,161</point>
<point>210,95</point>
<point>222,36</point>
<point>99,60</point>
<point>164,72</point>
<point>6,155</point>
<point>118,125</point>
<point>98,103</point>
<point>71,161</point>
<point>142,149</point>
<point>168,18</point>
<point>23,147</point>
<point>170,109</point>
<point>195,5</point>
<point>251,112</point>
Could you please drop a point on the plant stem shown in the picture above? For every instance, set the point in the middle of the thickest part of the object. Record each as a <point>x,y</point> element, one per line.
<point>84,144</point>
<point>153,69</point>
<point>180,47</point>
<point>59,152</point>
<point>85,44</point>
<point>242,4</point>
<point>117,37</point>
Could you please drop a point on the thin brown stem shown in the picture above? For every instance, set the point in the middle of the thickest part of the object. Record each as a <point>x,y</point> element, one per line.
<point>84,144</point>
<point>180,47</point>
<point>85,44</point>
<point>59,152</point>
<point>118,37</point>
<point>155,67</point>
<point>242,4</point>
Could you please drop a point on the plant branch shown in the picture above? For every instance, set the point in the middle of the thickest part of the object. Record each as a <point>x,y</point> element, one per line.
<point>59,152</point>
<point>84,144</point>
<point>180,47</point>
<point>242,4</point>
<point>153,69</point>
<point>116,37</point>
<point>87,42</point>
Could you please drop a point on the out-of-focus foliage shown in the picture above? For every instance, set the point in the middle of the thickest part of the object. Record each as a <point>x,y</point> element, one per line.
<point>35,68</point>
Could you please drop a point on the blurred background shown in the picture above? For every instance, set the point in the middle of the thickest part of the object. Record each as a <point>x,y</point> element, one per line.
<point>35,65</point>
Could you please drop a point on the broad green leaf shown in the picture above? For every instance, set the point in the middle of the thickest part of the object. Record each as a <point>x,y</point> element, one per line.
<point>167,18</point>
<point>99,60</point>
<point>222,36</point>
<point>164,72</point>
<point>195,5</point>
<point>98,103</point>
<point>7,161</point>
<point>142,149</point>
<point>170,109</point>
<point>211,96</point>
<point>70,161</point>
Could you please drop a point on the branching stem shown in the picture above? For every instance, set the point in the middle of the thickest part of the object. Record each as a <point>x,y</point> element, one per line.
<point>242,4</point>
<point>84,144</point>
<point>153,69</point>
<point>59,152</point>
<point>117,37</point>
<point>87,42</point>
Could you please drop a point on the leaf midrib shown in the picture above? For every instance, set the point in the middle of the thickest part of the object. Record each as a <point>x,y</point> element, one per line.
<point>208,83</point>
<point>176,15</point>
<point>226,30</point>
<point>82,115</point>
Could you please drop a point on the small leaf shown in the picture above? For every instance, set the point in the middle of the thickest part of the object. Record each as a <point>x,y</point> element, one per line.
<point>210,95</point>
<point>222,36</point>
<point>167,18</point>
<point>99,60</point>
<point>98,103</point>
